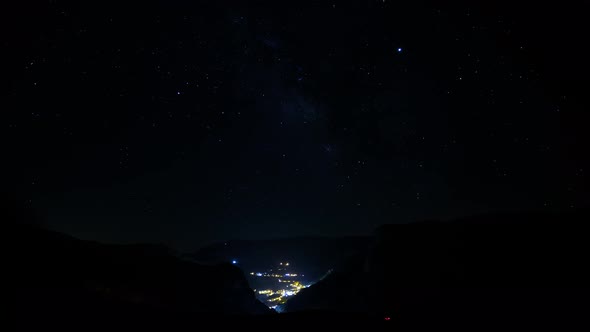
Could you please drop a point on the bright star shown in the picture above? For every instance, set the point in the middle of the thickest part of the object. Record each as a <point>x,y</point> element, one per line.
<point>399,50</point>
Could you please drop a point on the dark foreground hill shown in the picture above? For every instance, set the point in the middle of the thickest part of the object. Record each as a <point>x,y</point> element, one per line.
<point>504,271</point>
<point>54,281</point>
<point>52,274</point>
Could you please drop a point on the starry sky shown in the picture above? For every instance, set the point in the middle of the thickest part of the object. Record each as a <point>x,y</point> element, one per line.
<point>187,122</point>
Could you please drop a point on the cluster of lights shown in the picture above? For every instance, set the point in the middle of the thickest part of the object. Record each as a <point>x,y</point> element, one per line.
<point>280,296</point>
<point>274,275</point>
<point>289,286</point>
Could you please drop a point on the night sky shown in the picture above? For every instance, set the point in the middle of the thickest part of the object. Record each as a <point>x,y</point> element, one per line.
<point>187,122</point>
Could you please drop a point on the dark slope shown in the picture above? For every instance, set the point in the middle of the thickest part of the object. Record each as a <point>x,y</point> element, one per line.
<point>53,274</point>
<point>484,271</point>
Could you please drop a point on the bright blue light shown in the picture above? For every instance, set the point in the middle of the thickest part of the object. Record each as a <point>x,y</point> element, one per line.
<point>399,50</point>
<point>234,262</point>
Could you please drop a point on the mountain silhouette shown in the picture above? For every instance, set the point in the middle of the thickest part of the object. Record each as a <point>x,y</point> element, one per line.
<point>51,273</point>
<point>478,272</point>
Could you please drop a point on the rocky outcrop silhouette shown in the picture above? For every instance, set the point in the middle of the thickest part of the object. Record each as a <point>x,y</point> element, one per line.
<point>51,274</point>
<point>514,267</point>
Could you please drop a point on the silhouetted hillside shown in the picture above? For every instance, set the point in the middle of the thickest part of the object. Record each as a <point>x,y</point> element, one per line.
<point>312,255</point>
<point>53,274</point>
<point>525,268</point>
